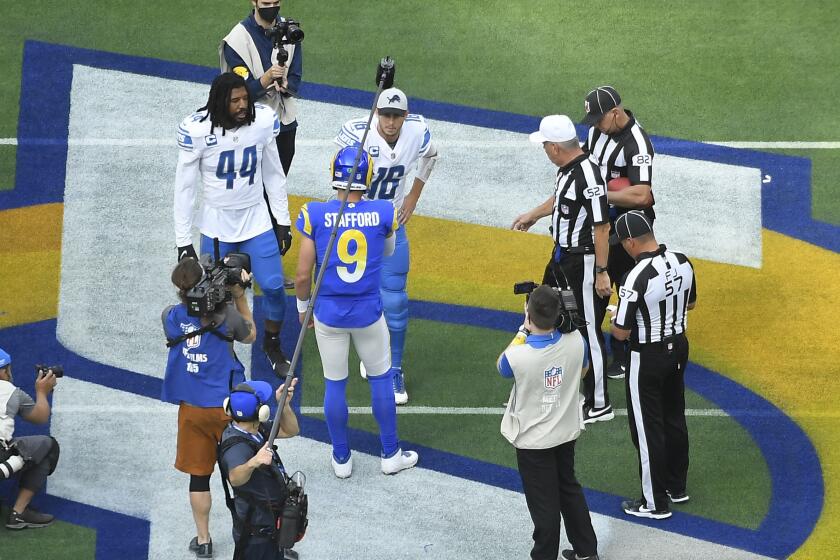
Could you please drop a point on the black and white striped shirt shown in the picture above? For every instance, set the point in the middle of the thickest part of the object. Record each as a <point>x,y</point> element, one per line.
<point>580,202</point>
<point>627,153</point>
<point>655,295</point>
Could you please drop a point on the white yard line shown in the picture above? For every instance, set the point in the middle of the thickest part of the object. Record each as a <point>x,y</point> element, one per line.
<point>779,145</point>
<point>492,411</point>
<point>499,144</point>
<point>442,410</point>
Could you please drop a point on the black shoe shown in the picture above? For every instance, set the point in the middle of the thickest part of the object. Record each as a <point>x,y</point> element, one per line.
<point>638,508</point>
<point>591,414</point>
<point>29,519</point>
<point>616,371</point>
<point>205,550</point>
<point>677,497</point>
<point>279,363</point>
<point>570,555</point>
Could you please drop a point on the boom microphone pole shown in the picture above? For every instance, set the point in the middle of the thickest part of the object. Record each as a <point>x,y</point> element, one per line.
<point>384,79</point>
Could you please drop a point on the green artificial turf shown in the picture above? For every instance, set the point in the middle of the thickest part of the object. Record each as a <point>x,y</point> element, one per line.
<point>59,541</point>
<point>728,478</point>
<point>713,70</point>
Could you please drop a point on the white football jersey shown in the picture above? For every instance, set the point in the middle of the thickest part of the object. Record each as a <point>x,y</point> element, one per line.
<point>392,165</point>
<point>232,167</point>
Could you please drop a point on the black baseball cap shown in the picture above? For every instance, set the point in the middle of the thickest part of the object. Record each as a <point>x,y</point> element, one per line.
<point>599,101</point>
<point>630,224</point>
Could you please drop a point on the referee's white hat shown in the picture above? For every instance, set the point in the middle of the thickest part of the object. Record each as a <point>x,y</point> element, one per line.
<point>554,128</point>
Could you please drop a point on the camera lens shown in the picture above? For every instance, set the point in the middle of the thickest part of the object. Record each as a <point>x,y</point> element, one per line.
<point>294,33</point>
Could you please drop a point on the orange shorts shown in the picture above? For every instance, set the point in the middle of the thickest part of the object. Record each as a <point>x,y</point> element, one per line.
<point>199,432</point>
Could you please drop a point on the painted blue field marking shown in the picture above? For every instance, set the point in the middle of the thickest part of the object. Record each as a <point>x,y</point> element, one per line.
<point>792,462</point>
<point>796,476</point>
<point>117,535</point>
<point>45,111</point>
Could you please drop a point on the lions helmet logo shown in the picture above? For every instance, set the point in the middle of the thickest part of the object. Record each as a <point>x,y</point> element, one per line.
<point>553,377</point>
<point>394,99</point>
<point>193,341</point>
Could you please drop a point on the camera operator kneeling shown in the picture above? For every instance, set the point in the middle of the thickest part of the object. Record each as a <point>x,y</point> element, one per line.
<point>543,419</point>
<point>263,526</point>
<point>34,457</point>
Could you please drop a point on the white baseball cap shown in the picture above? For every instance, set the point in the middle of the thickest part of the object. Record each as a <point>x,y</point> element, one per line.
<point>392,101</point>
<point>554,128</point>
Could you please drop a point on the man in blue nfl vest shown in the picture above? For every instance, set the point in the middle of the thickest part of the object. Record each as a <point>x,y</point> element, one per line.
<point>543,419</point>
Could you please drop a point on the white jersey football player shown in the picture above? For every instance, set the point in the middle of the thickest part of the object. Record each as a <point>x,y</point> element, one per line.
<point>398,141</point>
<point>228,148</point>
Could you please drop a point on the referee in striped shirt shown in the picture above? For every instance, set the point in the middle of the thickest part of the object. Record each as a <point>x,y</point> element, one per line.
<point>580,226</point>
<point>622,148</point>
<point>654,299</point>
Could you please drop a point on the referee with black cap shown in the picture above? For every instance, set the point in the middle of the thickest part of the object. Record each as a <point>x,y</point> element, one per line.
<point>654,299</point>
<point>580,227</point>
<point>622,148</point>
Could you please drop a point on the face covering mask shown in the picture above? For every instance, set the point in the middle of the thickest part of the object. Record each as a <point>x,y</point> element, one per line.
<point>269,14</point>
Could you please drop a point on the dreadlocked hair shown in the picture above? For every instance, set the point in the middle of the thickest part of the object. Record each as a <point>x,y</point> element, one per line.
<point>218,102</point>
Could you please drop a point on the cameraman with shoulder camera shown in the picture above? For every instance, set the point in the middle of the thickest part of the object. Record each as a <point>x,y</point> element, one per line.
<point>200,371</point>
<point>251,50</point>
<point>542,421</point>
<point>251,464</point>
<point>34,457</point>
<point>581,228</point>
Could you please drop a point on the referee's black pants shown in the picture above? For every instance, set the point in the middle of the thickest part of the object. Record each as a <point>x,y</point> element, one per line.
<point>656,409</point>
<point>619,264</point>
<point>579,271</point>
<point>553,494</point>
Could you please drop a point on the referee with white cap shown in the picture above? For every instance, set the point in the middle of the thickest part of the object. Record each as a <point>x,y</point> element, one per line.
<point>580,227</point>
<point>653,302</point>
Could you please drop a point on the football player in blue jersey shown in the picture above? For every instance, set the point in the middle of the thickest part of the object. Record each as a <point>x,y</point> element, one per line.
<point>397,141</point>
<point>348,305</point>
<point>228,148</point>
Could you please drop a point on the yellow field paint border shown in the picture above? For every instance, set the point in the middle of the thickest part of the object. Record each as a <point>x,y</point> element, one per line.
<point>766,328</point>
<point>30,263</point>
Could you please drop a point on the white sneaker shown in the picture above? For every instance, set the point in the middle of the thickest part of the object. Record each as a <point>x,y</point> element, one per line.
<point>400,461</point>
<point>362,370</point>
<point>342,470</point>
<point>400,393</point>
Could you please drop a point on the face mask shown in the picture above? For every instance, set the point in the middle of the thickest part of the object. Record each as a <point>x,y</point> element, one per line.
<point>269,14</point>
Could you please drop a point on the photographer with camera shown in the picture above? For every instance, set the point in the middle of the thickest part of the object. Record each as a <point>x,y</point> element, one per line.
<point>543,419</point>
<point>266,50</point>
<point>200,371</point>
<point>580,227</point>
<point>34,457</point>
<point>267,516</point>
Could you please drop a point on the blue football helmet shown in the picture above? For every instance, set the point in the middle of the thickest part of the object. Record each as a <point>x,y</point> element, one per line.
<point>342,165</point>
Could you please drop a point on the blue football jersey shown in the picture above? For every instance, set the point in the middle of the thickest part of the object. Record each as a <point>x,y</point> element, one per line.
<point>349,295</point>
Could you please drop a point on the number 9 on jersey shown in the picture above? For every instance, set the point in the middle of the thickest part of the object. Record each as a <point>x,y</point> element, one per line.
<point>352,252</point>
